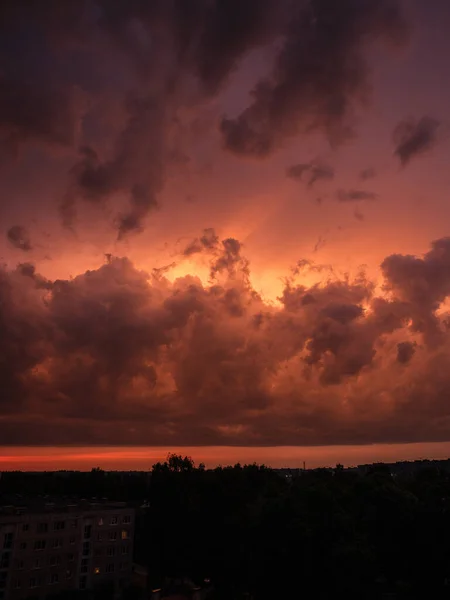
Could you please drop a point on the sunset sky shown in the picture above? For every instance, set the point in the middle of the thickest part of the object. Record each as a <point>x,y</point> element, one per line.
<point>223,231</point>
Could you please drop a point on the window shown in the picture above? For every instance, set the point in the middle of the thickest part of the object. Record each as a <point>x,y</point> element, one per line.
<point>123,566</point>
<point>113,535</point>
<point>8,540</point>
<point>99,537</point>
<point>113,521</point>
<point>55,560</point>
<point>4,560</point>
<point>23,545</point>
<point>84,565</point>
<point>42,527</point>
<point>110,551</point>
<point>54,578</point>
<point>126,520</point>
<point>83,583</point>
<point>124,534</point>
<point>17,584</point>
<point>72,540</point>
<point>39,545</point>
<point>25,527</point>
<point>110,568</point>
<point>57,543</point>
<point>87,531</point>
<point>59,525</point>
<point>37,564</point>
<point>70,557</point>
<point>97,570</point>
<point>20,564</point>
<point>69,574</point>
<point>33,582</point>
<point>125,549</point>
<point>86,548</point>
<point>74,523</point>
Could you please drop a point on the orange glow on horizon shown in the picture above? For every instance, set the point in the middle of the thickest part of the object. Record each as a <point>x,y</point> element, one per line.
<point>142,458</point>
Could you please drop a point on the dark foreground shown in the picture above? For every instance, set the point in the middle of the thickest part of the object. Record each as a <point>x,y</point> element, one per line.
<point>256,534</point>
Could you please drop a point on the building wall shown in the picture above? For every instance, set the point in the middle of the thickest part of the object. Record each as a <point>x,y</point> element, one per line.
<point>49,552</point>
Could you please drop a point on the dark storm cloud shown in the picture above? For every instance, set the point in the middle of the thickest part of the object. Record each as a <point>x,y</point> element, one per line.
<point>319,74</point>
<point>310,173</point>
<point>120,356</point>
<point>414,137</point>
<point>422,283</point>
<point>66,67</point>
<point>355,195</point>
<point>19,237</point>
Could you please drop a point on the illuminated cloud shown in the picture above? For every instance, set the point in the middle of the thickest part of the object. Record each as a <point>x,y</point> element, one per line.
<point>414,137</point>
<point>118,356</point>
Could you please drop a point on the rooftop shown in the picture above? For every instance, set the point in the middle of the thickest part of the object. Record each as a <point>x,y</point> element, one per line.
<point>21,505</point>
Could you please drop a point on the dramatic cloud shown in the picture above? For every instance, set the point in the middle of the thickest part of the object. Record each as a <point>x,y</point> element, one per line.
<point>19,237</point>
<point>120,85</point>
<point>318,76</point>
<point>119,356</point>
<point>412,138</point>
<point>355,195</point>
<point>310,173</point>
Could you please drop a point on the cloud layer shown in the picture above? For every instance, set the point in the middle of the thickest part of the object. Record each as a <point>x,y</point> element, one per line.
<point>119,356</point>
<point>114,84</point>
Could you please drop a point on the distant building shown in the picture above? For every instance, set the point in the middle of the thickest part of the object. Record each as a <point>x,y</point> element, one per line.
<point>53,547</point>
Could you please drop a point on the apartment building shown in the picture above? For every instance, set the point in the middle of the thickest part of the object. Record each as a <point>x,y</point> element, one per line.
<point>50,547</point>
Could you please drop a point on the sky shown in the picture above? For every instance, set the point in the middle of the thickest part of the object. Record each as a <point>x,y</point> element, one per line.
<point>224,229</point>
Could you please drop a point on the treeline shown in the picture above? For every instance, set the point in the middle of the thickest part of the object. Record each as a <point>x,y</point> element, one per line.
<point>322,534</point>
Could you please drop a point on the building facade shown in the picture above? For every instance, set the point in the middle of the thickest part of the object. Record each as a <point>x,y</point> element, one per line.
<point>57,547</point>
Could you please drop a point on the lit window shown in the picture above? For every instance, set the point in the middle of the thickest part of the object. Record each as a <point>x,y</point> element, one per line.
<point>124,534</point>
<point>97,570</point>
